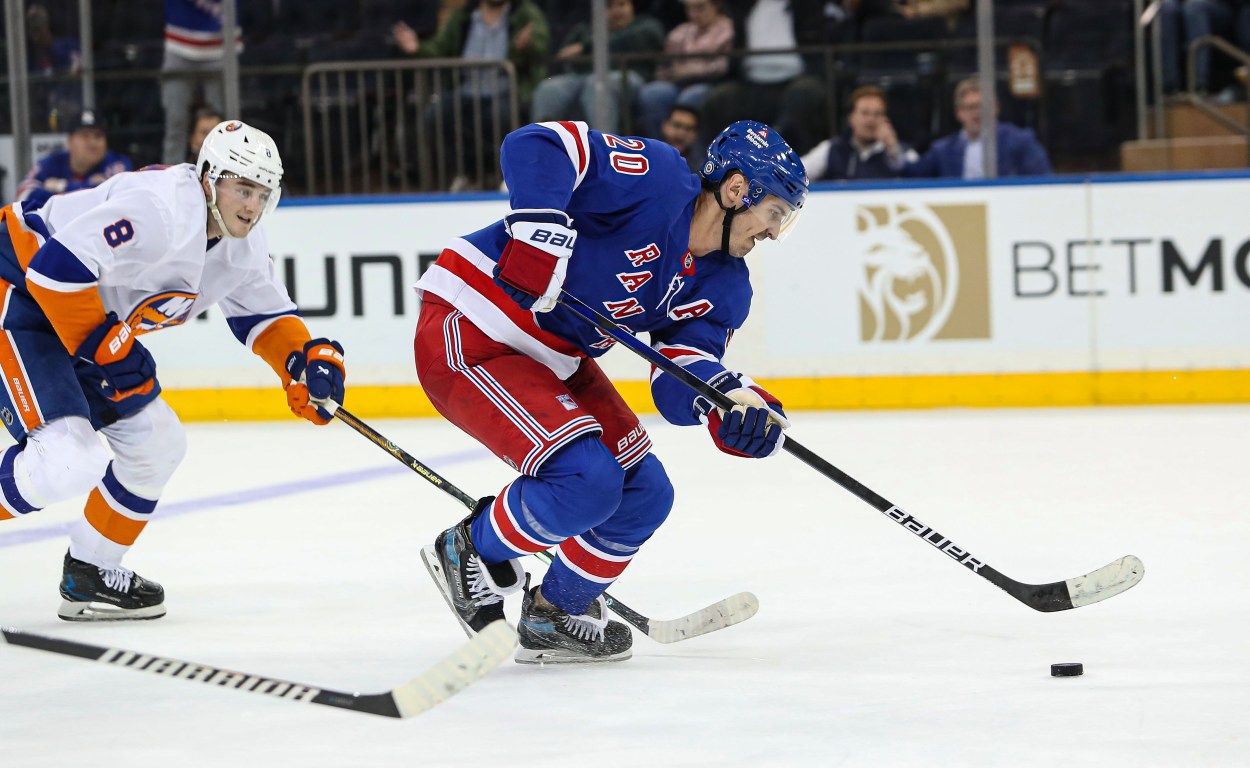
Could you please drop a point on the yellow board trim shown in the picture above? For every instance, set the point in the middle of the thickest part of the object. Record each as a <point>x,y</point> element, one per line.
<point>1005,390</point>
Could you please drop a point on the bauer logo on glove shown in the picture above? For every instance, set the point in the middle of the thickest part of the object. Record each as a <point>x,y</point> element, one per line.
<point>124,366</point>
<point>534,263</point>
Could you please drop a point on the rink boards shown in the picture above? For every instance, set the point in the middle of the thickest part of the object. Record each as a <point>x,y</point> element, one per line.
<point>1064,292</point>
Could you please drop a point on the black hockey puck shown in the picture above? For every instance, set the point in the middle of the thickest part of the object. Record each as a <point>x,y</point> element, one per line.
<point>1067,669</point>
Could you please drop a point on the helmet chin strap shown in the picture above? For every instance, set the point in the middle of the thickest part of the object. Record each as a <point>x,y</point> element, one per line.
<point>221,225</point>
<point>727,222</point>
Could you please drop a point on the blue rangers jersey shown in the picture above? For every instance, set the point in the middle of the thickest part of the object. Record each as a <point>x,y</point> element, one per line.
<point>193,29</point>
<point>631,201</point>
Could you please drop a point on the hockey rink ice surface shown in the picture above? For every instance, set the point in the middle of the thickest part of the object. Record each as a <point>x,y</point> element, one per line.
<point>292,552</point>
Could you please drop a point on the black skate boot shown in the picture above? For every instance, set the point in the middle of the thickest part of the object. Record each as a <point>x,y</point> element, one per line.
<point>473,589</point>
<point>551,636</point>
<point>91,593</point>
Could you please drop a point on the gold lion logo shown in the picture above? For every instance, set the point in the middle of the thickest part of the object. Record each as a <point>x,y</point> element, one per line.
<point>924,274</point>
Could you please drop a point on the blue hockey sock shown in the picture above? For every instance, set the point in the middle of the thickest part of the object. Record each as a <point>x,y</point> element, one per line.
<point>588,563</point>
<point>575,489</point>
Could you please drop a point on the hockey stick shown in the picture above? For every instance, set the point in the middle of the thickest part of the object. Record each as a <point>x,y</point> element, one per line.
<point>1108,581</point>
<point>724,613</point>
<point>448,677</point>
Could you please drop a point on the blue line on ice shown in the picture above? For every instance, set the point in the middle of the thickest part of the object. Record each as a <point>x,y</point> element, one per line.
<point>24,535</point>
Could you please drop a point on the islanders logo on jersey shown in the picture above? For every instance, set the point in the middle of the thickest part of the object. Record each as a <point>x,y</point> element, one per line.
<point>162,310</point>
<point>924,272</point>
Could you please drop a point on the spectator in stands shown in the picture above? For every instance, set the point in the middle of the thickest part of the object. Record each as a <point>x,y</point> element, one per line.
<point>681,130</point>
<point>869,149</point>
<point>204,120</point>
<point>571,96</point>
<point>773,88</point>
<point>493,30</point>
<point>48,55</point>
<point>1184,22</point>
<point>193,44</point>
<point>687,81</point>
<point>960,155</point>
<point>86,162</point>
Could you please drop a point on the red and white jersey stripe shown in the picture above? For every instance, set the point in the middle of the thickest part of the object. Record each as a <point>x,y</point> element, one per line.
<point>463,278</point>
<point>545,442</point>
<point>576,139</point>
<point>198,45</point>
<point>682,355</point>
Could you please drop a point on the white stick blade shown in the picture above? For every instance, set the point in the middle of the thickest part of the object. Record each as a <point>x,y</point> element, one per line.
<point>1108,581</point>
<point>456,672</point>
<point>726,613</point>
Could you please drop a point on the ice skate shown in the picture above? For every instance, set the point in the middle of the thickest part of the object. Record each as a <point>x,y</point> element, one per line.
<point>548,635</point>
<point>91,593</point>
<point>473,589</point>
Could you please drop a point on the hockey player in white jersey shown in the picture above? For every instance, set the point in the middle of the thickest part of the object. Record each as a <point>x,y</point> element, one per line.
<point>82,277</point>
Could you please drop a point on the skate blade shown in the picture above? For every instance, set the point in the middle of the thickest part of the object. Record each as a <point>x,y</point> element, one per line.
<point>72,610</point>
<point>549,656</point>
<point>435,567</point>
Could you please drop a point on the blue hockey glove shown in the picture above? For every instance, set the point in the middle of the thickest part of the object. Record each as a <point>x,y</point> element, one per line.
<point>125,366</point>
<point>753,428</point>
<point>317,385</point>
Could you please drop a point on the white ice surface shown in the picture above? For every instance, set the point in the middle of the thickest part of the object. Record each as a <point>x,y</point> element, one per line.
<point>870,649</point>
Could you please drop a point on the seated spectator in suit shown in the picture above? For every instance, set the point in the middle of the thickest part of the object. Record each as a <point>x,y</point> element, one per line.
<point>571,96</point>
<point>960,155</point>
<point>681,130</point>
<point>85,163</point>
<point>868,150</point>
<point>687,81</point>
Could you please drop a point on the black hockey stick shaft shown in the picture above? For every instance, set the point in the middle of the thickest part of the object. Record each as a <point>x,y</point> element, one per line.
<point>1055,596</point>
<point>378,704</point>
<point>472,660</point>
<point>620,609</point>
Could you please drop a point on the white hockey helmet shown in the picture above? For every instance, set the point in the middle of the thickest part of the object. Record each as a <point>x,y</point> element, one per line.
<point>234,148</point>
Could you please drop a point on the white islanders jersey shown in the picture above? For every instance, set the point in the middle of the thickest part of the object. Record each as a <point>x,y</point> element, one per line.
<point>142,237</point>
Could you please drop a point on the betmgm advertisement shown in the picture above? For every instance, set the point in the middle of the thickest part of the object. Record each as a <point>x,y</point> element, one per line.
<point>940,295</point>
<point>1093,280</point>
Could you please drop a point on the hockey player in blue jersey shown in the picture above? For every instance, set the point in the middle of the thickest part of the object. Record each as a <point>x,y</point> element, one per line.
<point>623,225</point>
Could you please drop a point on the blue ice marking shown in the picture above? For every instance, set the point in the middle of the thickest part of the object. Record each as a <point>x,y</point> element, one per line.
<point>29,535</point>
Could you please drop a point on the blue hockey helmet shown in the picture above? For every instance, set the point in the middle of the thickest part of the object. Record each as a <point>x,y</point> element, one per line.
<point>764,158</point>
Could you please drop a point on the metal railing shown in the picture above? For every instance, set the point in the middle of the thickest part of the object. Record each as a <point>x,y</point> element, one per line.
<point>402,125</point>
<point>933,64</point>
<point>1196,99</point>
<point>395,126</point>
<point>1147,23</point>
